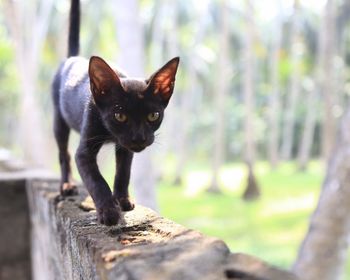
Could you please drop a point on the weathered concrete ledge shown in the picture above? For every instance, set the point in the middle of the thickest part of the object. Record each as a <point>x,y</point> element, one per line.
<point>67,243</point>
<point>15,253</point>
<point>14,231</point>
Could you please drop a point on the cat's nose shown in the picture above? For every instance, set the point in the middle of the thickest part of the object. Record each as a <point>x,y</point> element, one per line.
<point>137,143</point>
<point>138,140</point>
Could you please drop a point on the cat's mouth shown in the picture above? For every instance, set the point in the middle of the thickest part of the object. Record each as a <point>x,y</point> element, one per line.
<point>136,149</point>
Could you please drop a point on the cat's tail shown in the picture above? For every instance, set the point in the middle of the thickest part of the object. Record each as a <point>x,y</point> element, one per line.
<point>74,27</point>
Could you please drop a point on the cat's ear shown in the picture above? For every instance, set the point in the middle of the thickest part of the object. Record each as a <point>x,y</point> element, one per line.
<point>162,82</point>
<point>102,79</point>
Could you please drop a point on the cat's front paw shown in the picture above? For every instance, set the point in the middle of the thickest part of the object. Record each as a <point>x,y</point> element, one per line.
<point>125,203</point>
<point>68,189</point>
<point>109,214</point>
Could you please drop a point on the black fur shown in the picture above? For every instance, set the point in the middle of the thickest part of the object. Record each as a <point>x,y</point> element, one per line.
<point>74,27</point>
<point>104,105</point>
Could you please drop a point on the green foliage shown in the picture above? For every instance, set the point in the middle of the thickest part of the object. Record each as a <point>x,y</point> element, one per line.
<point>270,228</point>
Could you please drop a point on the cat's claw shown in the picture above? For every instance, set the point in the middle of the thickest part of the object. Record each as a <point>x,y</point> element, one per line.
<point>69,189</point>
<point>125,203</point>
<point>109,214</point>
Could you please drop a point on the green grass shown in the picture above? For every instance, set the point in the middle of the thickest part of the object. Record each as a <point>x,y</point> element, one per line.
<point>270,228</point>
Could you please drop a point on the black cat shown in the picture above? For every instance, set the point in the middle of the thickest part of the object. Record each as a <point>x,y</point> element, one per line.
<point>104,105</point>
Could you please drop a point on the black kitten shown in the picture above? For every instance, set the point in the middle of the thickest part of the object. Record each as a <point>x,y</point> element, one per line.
<point>105,106</point>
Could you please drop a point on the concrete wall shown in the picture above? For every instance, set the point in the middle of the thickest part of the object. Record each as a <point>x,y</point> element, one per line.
<point>14,231</point>
<point>67,243</point>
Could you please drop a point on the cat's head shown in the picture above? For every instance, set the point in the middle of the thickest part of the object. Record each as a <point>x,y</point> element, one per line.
<point>131,109</point>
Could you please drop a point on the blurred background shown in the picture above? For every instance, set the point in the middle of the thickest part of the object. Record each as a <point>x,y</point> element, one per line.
<point>260,92</point>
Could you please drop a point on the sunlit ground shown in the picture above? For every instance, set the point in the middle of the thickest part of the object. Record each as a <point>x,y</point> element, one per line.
<point>270,228</point>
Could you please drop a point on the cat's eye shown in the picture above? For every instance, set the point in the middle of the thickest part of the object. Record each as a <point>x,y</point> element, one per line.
<point>153,116</point>
<point>120,117</point>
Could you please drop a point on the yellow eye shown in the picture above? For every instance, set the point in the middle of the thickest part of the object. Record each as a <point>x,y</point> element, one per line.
<point>153,116</point>
<point>120,117</point>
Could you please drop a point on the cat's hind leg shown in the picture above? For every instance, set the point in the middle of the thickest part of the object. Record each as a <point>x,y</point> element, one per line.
<point>67,187</point>
<point>61,131</point>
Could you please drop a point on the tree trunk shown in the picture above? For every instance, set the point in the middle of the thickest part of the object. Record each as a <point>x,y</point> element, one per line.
<point>130,38</point>
<point>28,25</point>
<point>323,252</point>
<point>158,34</point>
<point>274,102</point>
<point>294,86</point>
<point>311,105</point>
<point>186,99</point>
<point>252,189</point>
<point>309,129</point>
<point>165,45</point>
<point>221,88</point>
<point>94,34</point>
<point>184,114</point>
<point>325,86</point>
<point>328,77</point>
